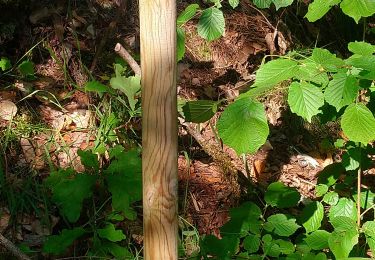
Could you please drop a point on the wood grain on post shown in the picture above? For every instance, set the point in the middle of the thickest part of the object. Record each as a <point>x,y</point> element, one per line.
<point>159,128</point>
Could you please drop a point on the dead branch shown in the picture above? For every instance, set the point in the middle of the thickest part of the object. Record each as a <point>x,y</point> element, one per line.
<point>120,50</point>
<point>12,248</point>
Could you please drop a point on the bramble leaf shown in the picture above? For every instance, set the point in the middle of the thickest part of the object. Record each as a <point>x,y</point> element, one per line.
<point>358,8</point>
<point>275,71</point>
<point>327,60</point>
<point>344,208</point>
<point>361,48</point>
<point>281,225</point>
<point>234,3</point>
<point>243,126</point>
<point>187,14</point>
<point>312,216</point>
<point>341,91</point>
<point>358,123</point>
<point>251,243</point>
<point>367,199</point>
<point>199,111</point>
<point>319,8</point>
<point>282,3</point>
<point>331,198</point>
<point>5,64</point>
<point>305,99</point>
<point>369,230</point>
<point>344,237</point>
<point>318,239</point>
<point>262,3</point>
<point>180,43</point>
<point>211,25</point>
<point>281,196</point>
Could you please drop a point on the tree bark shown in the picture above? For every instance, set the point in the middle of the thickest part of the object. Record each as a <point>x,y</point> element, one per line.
<point>159,128</point>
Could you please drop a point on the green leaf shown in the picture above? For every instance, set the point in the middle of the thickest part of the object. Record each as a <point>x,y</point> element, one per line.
<point>369,230</point>
<point>243,126</point>
<point>251,243</point>
<point>312,216</point>
<point>5,64</point>
<point>262,3</point>
<point>222,248</point>
<point>285,247</point>
<point>282,3</point>
<point>199,111</point>
<point>305,99</point>
<point>211,25</point>
<point>26,68</point>
<point>330,174</point>
<point>313,72</point>
<point>110,233</point>
<point>327,60</point>
<point>358,123</point>
<point>281,196</point>
<point>363,62</point>
<point>343,238</point>
<point>331,198</point>
<point>344,208</point>
<point>367,199</point>
<point>318,239</point>
<point>319,8</point>
<point>270,247</point>
<point>119,252</point>
<point>69,190</point>
<point>96,86</point>
<point>180,43</point>
<point>352,159</point>
<point>242,220</point>
<point>234,3</point>
<point>281,225</point>
<point>341,91</point>
<point>361,48</point>
<point>89,159</point>
<point>321,189</point>
<point>130,86</point>
<point>125,182</point>
<point>187,14</point>
<point>358,8</point>
<point>275,71</point>
<point>59,243</point>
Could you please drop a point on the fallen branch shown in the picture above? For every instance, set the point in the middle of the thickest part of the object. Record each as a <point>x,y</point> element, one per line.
<point>120,50</point>
<point>12,248</point>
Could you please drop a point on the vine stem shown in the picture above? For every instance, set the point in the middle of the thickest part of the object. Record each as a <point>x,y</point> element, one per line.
<point>359,175</point>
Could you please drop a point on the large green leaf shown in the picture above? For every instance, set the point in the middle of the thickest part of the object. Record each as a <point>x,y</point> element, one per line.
<point>366,62</point>
<point>358,123</point>
<point>211,24</point>
<point>5,64</point>
<point>243,219</point>
<point>312,216</point>
<point>369,230</point>
<point>344,237</point>
<point>69,190</point>
<point>251,243</point>
<point>344,208</point>
<point>243,126</point>
<point>199,111</point>
<point>305,99</point>
<point>57,244</point>
<point>281,225</point>
<point>318,239</point>
<point>367,198</point>
<point>180,43</point>
<point>312,71</point>
<point>110,233</point>
<point>96,86</point>
<point>282,3</point>
<point>262,3</point>
<point>281,196</point>
<point>331,198</point>
<point>358,8</point>
<point>275,71</point>
<point>221,248</point>
<point>125,182</point>
<point>361,48</point>
<point>341,91</point>
<point>327,60</point>
<point>187,14</point>
<point>319,8</point>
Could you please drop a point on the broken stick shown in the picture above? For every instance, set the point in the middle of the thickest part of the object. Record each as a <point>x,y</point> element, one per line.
<point>120,50</point>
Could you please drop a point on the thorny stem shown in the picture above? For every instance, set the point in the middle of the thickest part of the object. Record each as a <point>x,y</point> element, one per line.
<point>359,197</point>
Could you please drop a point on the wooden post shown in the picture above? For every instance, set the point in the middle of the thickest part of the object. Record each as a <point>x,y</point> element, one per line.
<point>159,128</point>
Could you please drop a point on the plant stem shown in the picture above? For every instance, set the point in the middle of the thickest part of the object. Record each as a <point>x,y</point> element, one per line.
<point>359,197</point>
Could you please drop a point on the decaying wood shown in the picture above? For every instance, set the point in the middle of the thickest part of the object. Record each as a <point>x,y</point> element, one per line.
<point>12,248</point>
<point>159,128</point>
<point>120,50</point>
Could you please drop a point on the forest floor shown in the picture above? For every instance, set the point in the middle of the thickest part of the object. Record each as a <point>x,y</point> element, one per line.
<point>55,117</point>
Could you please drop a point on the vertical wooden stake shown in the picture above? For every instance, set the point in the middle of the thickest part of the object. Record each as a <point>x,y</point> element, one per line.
<point>159,127</point>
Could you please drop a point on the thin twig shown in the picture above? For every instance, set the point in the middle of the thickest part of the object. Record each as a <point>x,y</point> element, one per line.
<point>120,50</point>
<point>12,248</point>
<point>359,174</point>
